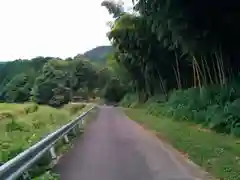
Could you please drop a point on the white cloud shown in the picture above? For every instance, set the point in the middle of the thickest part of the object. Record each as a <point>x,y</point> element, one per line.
<point>62,28</point>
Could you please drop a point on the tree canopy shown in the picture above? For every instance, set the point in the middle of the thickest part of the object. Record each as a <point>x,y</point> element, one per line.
<point>175,44</point>
<point>51,81</point>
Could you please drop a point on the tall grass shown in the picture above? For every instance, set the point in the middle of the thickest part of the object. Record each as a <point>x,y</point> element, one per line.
<point>27,124</point>
<point>214,107</point>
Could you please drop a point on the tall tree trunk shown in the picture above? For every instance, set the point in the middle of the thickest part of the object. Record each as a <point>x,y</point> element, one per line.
<point>162,86</point>
<point>215,72</point>
<point>219,70</point>
<point>204,72</point>
<point>194,75</point>
<point>198,71</point>
<point>222,66</point>
<point>175,73</point>
<point>208,71</point>
<point>178,71</point>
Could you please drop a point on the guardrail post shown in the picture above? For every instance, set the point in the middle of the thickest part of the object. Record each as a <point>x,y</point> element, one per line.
<point>81,125</point>
<point>66,140</point>
<point>83,121</point>
<point>74,131</point>
<point>53,153</point>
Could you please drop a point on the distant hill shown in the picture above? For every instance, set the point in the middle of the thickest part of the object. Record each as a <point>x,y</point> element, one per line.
<point>99,53</point>
<point>2,65</point>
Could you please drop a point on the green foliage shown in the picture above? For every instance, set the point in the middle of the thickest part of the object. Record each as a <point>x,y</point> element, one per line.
<point>51,81</point>
<point>168,45</point>
<point>15,126</point>
<point>30,124</point>
<point>48,176</point>
<point>213,109</point>
<point>18,89</point>
<point>31,108</point>
<point>11,70</point>
<point>128,100</point>
<point>114,91</point>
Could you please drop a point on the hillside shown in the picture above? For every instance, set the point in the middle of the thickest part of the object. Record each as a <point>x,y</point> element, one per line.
<point>99,53</point>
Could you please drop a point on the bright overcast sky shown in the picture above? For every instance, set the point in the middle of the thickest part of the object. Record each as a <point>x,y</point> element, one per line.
<point>60,28</point>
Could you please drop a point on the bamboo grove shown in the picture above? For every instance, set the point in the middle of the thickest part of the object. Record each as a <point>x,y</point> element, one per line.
<point>175,44</point>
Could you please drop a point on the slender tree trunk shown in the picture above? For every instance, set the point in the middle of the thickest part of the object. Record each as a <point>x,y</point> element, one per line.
<point>197,71</point>
<point>222,67</point>
<point>204,71</point>
<point>178,71</point>
<point>215,72</point>
<point>175,73</point>
<point>219,70</point>
<point>208,71</point>
<point>162,86</point>
<point>194,74</point>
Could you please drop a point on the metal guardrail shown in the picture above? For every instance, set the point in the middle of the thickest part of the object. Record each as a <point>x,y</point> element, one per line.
<point>17,166</point>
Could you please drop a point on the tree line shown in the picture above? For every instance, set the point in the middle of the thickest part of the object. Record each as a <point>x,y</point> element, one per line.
<point>51,81</point>
<point>166,44</point>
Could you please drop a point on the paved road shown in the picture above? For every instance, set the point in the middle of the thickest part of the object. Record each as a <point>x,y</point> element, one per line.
<point>116,148</point>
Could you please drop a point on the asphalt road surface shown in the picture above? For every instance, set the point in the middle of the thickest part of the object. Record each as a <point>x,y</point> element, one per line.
<point>116,148</point>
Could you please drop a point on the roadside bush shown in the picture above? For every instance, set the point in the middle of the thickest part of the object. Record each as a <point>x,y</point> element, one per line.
<point>128,100</point>
<point>114,91</point>
<point>31,108</point>
<point>214,107</point>
<point>15,126</point>
<point>48,176</point>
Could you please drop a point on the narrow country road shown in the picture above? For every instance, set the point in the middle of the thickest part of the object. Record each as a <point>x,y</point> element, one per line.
<point>116,148</point>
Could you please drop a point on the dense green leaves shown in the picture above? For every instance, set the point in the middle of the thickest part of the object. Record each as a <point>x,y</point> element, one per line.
<point>51,81</point>
<point>176,44</point>
<point>18,89</point>
<point>114,91</point>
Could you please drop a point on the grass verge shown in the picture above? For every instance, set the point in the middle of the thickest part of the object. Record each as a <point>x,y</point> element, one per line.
<point>218,154</point>
<point>23,125</point>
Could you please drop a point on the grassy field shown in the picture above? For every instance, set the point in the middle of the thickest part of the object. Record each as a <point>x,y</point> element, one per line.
<point>23,125</point>
<point>216,153</point>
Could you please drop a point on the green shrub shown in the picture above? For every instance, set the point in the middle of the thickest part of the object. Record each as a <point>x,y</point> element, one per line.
<point>114,91</point>
<point>48,176</point>
<point>217,108</point>
<point>13,125</point>
<point>128,100</point>
<point>31,108</point>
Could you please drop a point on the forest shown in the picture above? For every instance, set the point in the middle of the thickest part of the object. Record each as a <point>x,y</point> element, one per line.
<point>51,81</point>
<point>181,58</point>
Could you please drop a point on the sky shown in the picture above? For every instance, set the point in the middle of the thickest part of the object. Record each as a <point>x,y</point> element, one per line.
<point>57,28</point>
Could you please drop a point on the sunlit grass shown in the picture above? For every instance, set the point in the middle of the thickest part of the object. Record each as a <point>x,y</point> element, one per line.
<point>24,128</point>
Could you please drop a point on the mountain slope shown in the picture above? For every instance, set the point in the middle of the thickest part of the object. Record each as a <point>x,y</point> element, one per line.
<point>99,54</point>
